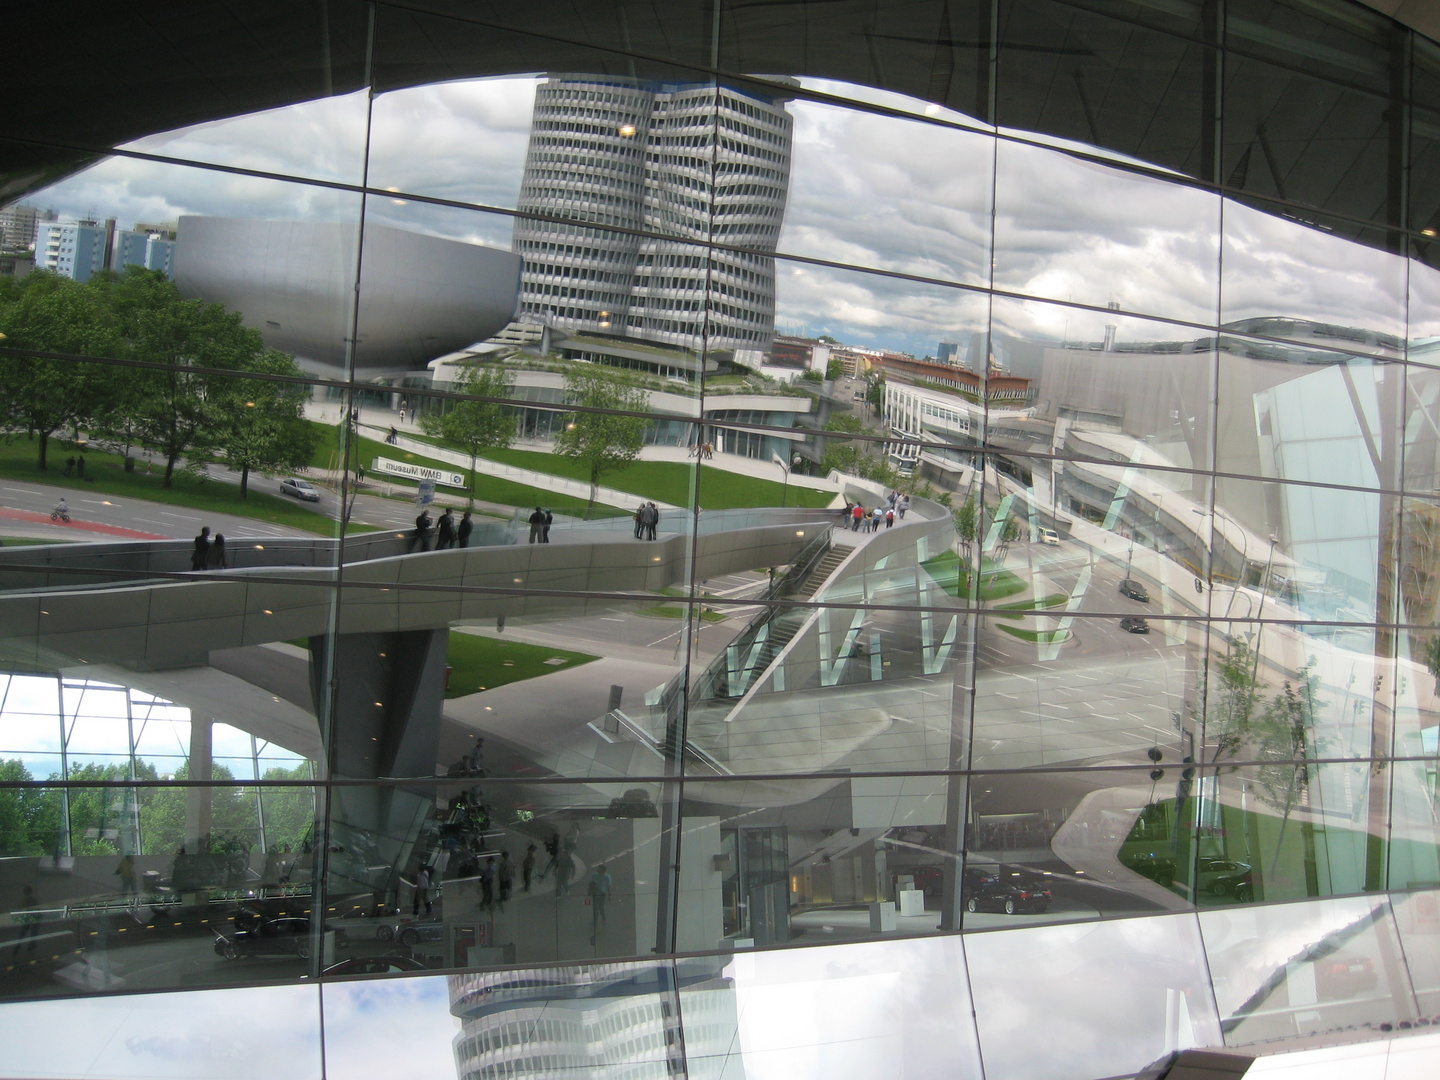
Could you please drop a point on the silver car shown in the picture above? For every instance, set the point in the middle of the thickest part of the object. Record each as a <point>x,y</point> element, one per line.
<point>300,489</point>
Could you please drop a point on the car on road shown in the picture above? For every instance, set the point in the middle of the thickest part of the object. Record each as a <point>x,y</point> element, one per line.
<point>1010,889</point>
<point>1343,975</point>
<point>1134,590</point>
<point>1049,536</point>
<point>1225,877</point>
<point>1134,624</point>
<point>374,965</point>
<point>300,489</point>
<point>266,937</point>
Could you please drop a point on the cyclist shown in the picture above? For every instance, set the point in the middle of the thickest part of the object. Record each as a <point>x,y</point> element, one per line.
<point>62,509</point>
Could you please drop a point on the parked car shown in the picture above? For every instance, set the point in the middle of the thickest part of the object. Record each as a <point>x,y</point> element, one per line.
<point>1225,877</point>
<point>412,933</point>
<point>1134,590</point>
<point>1344,975</point>
<point>266,937</point>
<point>1134,624</point>
<point>374,965</point>
<point>300,489</point>
<point>361,924</point>
<point>1010,889</point>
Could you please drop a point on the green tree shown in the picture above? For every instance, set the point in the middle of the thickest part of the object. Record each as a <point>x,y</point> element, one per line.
<point>846,423</point>
<point>1432,660</point>
<point>29,816</point>
<point>601,436</point>
<point>176,409</point>
<point>40,394</point>
<point>876,395</point>
<point>481,421</point>
<point>1230,716</point>
<point>834,369</point>
<point>1285,744</point>
<point>967,523</point>
<point>260,425</point>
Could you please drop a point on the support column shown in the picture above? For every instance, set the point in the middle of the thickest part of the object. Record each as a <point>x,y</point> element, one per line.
<point>198,799</point>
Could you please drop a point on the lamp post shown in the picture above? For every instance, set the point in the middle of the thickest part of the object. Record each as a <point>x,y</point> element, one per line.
<point>778,460</point>
<point>1244,551</point>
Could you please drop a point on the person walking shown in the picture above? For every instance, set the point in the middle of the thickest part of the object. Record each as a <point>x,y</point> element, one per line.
<point>537,525</point>
<point>487,882</point>
<point>890,518</point>
<point>552,848</point>
<point>876,518</point>
<point>422,892</point>
<point>598,890</point>
<point>462,534</point>
<point>445,534</point>
<point>640,520</point>
<point>69,465</point>
<point>527,867</point>
<point>545,525</point>
<point>215,558</point>
<point>652,519</point>
<point>201,555</point>
<point>80,466</point>
<point>855,515</point>
<point>421,536</point>
<point>505,874</point>
<point>904,505</point>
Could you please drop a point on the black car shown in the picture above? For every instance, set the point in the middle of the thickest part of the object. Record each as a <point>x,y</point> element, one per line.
<point>266,937</point>
<point>1134,624</point>
<point>1134,590</point>
<point>1004,888</point>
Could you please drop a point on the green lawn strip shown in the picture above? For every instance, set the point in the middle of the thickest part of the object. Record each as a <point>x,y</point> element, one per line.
<point>29,541</point>
<point>491,489</point>
<point>996,584</point>
<point>1044,637</point>
<point>483,663</point>
<point>1058,599</point>
<point>105,473</point>
<point>670,481</point>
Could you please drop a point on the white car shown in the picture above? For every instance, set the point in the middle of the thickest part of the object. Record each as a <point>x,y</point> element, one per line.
<point>301,489</point>
<point>1049,536</point>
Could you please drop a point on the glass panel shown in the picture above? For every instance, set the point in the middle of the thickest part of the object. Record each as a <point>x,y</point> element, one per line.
<point>1304,551</point>
<point>1417,918</point>
<point>1310,279</point>
<point>1126,88</point>
<point>1326,38</point>
<point>855,1010</point>
<point>527,873</point>
<point>816,861</point>
<point>1306,139</point>
<point>417,1036</point>
<point>912,197</point>
<point>1084,384</point>
<point>892,50</point>
<point>1290,828</point>
<point>1421,430</point>
<point>1070,229</point>
<point>1307,415</point>
<point>152,886</point>
<point>1115,997</point>
<point>181,1035</point>
<point>1306,969</point>
<point>1424,314</point>
<point>1052,847</point>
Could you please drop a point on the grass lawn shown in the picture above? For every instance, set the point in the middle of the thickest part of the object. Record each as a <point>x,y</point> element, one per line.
<point>28,541</point>
<point>493,489</point>
<point>106,473</point>
<point>995,584</point>
<point>1058,599</point>
<point>1045,637</point>
<point>670,481</point>
<point>483,663</point>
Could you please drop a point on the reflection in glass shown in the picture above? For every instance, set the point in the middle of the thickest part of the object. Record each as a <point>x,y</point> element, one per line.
<point>1306,969</point>
<point>1111,997</point>
<point>1068,229</point>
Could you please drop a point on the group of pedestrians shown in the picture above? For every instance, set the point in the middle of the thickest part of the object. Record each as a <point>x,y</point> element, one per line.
<point>447,532</point>
<point>647,516</point>
<point>75,466</point>
<point>881,516</point>
<point>209,552</point>
<point>540,522</point>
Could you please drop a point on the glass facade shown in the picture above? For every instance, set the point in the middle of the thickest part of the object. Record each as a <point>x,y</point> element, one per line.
<point>742,540</point>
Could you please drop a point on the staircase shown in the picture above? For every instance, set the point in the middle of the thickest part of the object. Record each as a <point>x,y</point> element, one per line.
<point>821,573</point>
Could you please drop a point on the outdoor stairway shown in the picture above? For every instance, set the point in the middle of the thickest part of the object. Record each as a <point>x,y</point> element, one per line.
<point>821,574</point>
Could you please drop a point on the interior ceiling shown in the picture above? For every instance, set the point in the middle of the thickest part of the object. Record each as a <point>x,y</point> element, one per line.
<point>1125,75</point>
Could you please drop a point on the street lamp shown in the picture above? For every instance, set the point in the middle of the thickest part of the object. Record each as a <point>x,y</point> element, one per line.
<point>1244,552</point>
<point>778,460</point>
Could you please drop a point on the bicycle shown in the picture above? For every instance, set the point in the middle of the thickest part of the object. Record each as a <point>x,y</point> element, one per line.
<point>60,515</point>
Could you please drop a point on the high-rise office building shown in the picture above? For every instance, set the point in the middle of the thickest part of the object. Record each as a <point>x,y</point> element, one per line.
<point>151,250</point>
<point>629,182</point>
<point>18,224</point>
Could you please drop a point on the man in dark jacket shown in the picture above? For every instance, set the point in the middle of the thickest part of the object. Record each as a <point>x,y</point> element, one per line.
<point>201,554</point>
<point>445,535</point>
<point>466,527</point>
<point>421,538</point>
<point>537,525</point>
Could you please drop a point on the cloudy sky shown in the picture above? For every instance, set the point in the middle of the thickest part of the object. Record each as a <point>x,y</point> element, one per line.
<point>905,194</point>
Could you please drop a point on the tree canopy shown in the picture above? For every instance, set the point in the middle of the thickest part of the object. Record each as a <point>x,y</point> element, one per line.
<point>604,440</point>
<point>479,422</point>
<point>183,409</point>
